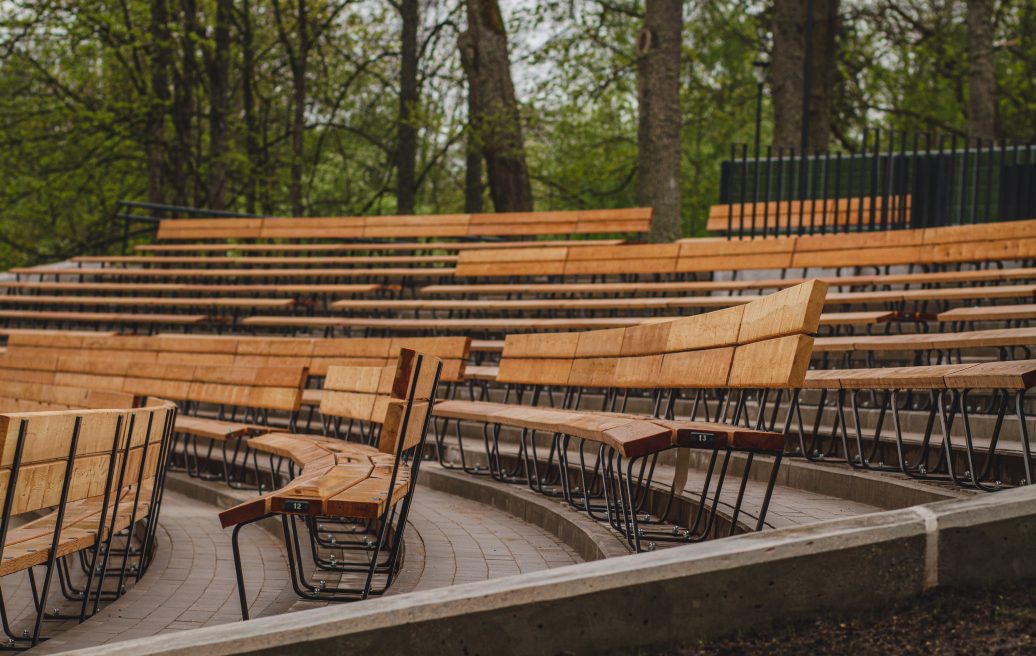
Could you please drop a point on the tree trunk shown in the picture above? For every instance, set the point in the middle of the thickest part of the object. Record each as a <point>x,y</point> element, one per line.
<point>658,133</point>
<point>219,65</point>
<point>496,121</point>
<point>981,74</point>
<point>406,146</point>
<point>158,106</point>
<point>473,157</point>
<point>298,124</point>
<point>787,77</point>
<point>255,165</point>
<point>297,50</point>
<point>183,174</point>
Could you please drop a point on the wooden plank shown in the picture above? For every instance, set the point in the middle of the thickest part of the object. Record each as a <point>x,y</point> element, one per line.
<point>713,329</point>
<point>990,313</point>
<point>600,343</point>
<point>781,362</point>
<point>533,345</point>
<point>790,311</point>
<point>1012,375</point>
<point>706,368</point>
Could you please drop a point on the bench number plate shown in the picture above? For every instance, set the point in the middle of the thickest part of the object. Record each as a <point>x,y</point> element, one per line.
<point>702,438</point>
<point>296,506</point>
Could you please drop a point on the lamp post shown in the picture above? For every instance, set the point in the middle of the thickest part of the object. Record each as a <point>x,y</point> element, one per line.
<point>759,67</point>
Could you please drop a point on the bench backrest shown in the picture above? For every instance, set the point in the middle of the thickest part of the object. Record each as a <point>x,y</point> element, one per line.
<point>634,220</point>
<point>740,217</point>
<point>266,388</point>
<point>410,401</point>
<point>314,353</point>
<point>1011,240</point>
<point>37,449</point>
<point>378,395</point>
<point>765,343</point>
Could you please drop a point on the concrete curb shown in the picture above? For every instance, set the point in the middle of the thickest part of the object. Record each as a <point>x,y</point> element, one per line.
<point>661,599</point>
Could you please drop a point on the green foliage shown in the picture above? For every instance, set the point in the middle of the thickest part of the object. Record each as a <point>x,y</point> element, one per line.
<point>76,95</point>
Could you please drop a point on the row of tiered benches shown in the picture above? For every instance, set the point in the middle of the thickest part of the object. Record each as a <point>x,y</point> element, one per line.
<point>595,304</point>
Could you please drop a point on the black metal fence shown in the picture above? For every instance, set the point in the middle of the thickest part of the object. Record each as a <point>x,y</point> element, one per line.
<point>895,180</point>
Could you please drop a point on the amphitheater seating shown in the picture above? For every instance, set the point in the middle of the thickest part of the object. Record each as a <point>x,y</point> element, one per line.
<point>353,488</point>
<point>92,474</point>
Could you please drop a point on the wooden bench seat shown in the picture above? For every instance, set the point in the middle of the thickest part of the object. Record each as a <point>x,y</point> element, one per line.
<point>682,286</point>
<point>263,260</point>
<point>1012,375</point>
<point>367,246</point>
<point>102,317</point>
<point>973,339</point>
<point>1025,312</point>
<point>633,437</point>
<point>183,288</point>
<point>140,272</point>
<point>148,301</point>
<point>885,297</point>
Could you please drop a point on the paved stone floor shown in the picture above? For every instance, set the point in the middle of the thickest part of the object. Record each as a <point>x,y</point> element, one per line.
<point>191,583</point>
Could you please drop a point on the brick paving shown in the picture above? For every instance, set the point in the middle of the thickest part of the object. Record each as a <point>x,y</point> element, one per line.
<point>191,583</point>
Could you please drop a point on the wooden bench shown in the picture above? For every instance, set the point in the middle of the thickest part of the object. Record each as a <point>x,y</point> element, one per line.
<point>149,301</point>
<point>581,222</point>
<point>763,344</point>
<point>834,213</point>
<point>890,298</point>
<point>1005,340</point>
<point>370,493</point>
<point>951,408</point>
<point>258,260</point>
<point>576,290</point>
<point>98,473</point>
<point>221,404</point>
<point>45,317</point>
<point>369,247</point>
<point>1004,241</point>
<point>316,355</point>
<point>274,274</point>
<point>182,288</point>
<point>985,313</point>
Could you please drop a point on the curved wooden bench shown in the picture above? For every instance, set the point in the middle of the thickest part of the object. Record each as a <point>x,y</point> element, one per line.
<point>359,485</point>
